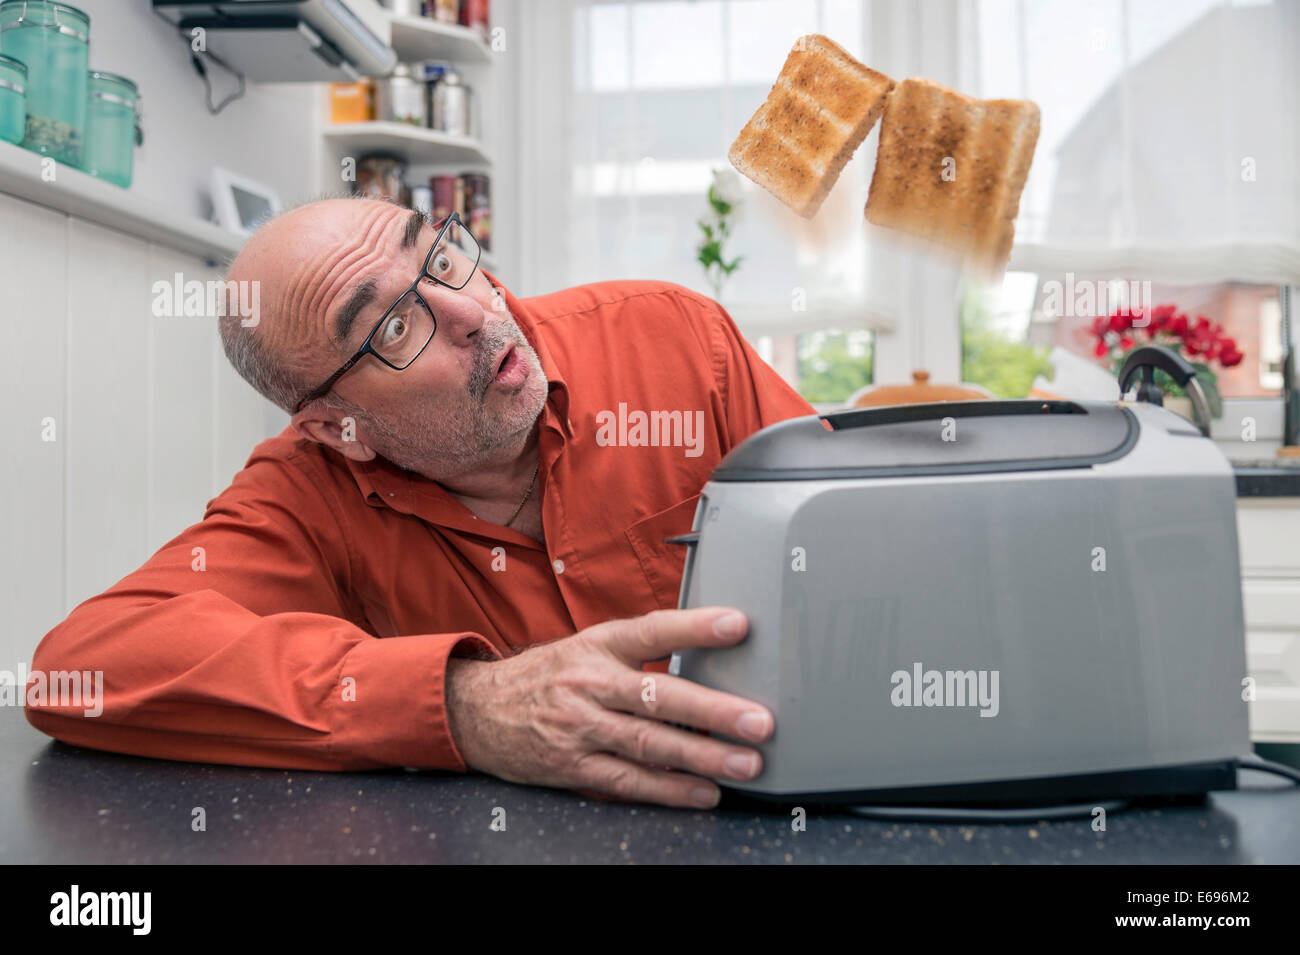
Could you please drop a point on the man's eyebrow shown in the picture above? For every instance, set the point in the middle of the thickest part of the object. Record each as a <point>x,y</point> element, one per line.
<point>363,293</point>
<point>414,226</point>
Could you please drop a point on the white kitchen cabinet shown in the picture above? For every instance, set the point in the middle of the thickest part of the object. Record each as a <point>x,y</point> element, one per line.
<point>120,423</point>
<point>1268,531</point>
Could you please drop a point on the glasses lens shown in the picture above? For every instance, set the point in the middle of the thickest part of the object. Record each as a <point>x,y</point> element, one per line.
<point>456,257</point>
<point>405,331</point>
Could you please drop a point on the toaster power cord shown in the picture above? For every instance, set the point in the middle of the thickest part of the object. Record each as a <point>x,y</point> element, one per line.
<point>1268,766</point>
<point>1078,810</point>
<point>944,814</point>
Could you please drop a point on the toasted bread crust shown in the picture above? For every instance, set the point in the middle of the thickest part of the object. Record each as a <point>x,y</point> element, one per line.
<point>819,110</point>
<point>950,169</point>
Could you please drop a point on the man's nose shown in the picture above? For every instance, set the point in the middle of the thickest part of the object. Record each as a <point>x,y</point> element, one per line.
<point>459,315</point>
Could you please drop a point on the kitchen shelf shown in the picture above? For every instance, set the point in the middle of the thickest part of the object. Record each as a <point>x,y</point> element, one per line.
<point>78,194</point>
<point>423,38</point>
<point>415,143</point>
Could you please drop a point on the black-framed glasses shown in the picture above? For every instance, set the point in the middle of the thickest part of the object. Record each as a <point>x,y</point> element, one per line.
<point>407,327</point>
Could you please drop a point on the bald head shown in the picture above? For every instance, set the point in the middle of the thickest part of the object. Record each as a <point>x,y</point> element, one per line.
<point>326,273</point>
<point>287,258</point>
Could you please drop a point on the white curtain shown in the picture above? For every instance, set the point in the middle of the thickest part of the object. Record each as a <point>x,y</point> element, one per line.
<point>638,103</point>
<point>1168,150</point>
<point>1171,132</point>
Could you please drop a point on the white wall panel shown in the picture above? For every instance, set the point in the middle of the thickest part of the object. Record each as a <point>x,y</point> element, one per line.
<point>180,400</point>
<point>241,419</point>
<point>32,388</point>
<point>108,407</point>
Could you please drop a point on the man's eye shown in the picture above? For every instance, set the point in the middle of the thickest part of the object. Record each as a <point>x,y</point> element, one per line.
<point>394,330</point>
<point>441,264</point>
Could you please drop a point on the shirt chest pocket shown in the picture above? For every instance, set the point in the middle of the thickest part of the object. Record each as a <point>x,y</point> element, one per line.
<point>662,563</point>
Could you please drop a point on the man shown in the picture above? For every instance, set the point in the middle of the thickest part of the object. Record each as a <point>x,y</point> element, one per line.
<point>466,476</point>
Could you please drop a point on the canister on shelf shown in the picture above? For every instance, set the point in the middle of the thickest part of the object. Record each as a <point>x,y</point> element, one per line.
<point>352,102</point>
<point>13,99</point>
<point>445,11</point>
<point>450,104</point>
<point>405,8</point>
<point>474,14</point>
<point>111,128</point>
<point>379,176</point>
<point>478,207</point>
<point>401,97</point>
<point>53,41</point>
<point>448,196</point>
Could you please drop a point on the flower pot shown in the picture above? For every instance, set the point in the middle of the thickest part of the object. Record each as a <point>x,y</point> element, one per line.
<point>1181,407</point>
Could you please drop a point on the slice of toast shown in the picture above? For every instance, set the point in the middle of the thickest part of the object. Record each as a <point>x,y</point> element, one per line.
<point>950,170</point>
<point>822,106</point>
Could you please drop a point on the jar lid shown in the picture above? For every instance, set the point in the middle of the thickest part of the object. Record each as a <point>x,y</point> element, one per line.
<point>46,13</point>
<point>382,158</point>
<point>113,78</point>
<point>11,63</point>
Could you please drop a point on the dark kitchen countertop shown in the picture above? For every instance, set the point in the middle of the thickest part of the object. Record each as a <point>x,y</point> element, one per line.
<point>1266,480</point>
<point>67,805</point>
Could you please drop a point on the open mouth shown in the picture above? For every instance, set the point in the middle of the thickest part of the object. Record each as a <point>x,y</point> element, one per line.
<point>505,358</point>
<point>510,371</point>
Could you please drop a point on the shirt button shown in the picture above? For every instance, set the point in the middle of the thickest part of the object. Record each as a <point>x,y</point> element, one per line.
<point>559,566</point>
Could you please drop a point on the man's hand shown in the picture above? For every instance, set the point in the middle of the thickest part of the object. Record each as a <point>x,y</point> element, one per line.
<point>576,712</point>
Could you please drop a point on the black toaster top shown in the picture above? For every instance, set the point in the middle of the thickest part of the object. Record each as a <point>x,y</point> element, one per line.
<point>951,437</point>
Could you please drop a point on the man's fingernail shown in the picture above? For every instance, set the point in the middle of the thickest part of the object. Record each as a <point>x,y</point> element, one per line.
<point>730,624</point>
<point>706,797</point>
<point>741,765</point>
<point>752,725</point>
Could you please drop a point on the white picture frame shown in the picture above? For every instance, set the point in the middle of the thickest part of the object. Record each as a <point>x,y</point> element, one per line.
<point>240,204</point>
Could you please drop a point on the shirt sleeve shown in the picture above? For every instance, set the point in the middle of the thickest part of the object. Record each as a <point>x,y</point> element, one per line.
<point>754,395</point>
<point>237,643</point>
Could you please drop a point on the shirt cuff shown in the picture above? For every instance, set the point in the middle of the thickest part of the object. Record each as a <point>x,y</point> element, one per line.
<point>393,711</point>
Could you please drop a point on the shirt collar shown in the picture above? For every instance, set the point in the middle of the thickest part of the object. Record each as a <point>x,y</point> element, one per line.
<point>381,482</point>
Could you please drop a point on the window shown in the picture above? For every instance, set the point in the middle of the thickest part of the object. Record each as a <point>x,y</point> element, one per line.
<point>827,367</point>
<point>1008,332</point>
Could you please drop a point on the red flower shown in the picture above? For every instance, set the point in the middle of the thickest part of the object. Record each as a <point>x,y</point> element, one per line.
<point>1126,343</point>
<point>1099,325</point>
<point>1178,325</point>
<point>1101,350</point>
<point>1120,322</point>
<point>1229,355</point>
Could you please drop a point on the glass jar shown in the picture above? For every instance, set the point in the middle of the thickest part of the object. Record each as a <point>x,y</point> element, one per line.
<point>401,97</point>
<point>13,99</point>
<point>53,40</point>
<point>110,128</point>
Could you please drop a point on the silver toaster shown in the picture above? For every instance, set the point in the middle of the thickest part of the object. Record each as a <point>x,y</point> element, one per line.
<point>979,602</point>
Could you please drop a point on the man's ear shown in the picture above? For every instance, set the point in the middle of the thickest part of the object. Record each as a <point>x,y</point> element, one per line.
<point>326,426</point>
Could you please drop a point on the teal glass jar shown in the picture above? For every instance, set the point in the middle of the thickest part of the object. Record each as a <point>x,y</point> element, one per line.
<point>110,127</point>
<point>53,40</point>
<point>13,99</point>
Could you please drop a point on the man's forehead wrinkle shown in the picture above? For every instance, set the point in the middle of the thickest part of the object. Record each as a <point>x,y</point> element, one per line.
<point>313,285</point>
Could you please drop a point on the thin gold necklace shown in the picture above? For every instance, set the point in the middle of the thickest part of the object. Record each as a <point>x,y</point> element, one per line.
<point>528,492</point>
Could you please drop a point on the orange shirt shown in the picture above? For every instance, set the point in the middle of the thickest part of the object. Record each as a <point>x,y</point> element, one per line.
<point>306,622</point>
